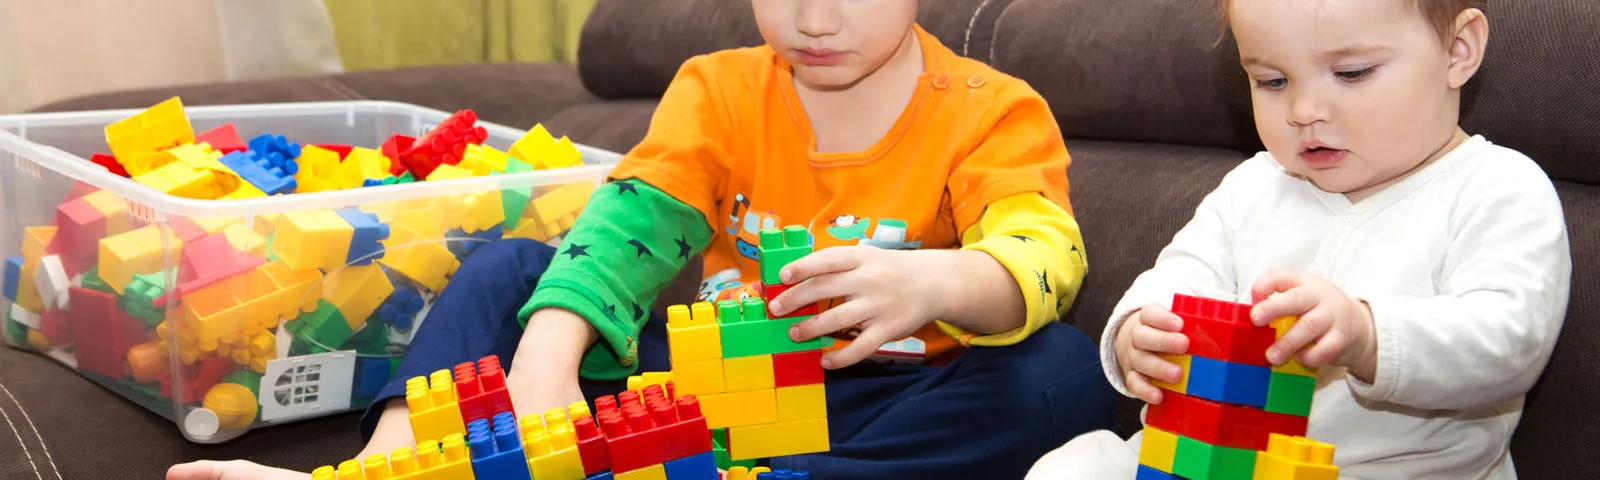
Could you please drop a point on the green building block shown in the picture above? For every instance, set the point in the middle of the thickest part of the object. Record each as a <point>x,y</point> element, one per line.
<point>515,200</point>
<point>91,280</point>
<point>403,178</point>
<point>370,340</point>
<point>16,332</point>
<point>779,249</point>
<point>320,331</point>
<point>139,298</point>
<point>747,332</point>
<point>247,377</point>
<point>1290,394</point>
<point>719,451</point>
<point>272,255</point>
<point>1197,460</point>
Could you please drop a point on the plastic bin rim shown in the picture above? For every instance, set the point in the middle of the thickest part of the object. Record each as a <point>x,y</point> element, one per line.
<point>81,169</point>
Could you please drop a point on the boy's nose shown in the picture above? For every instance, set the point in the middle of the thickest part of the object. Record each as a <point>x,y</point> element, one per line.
<point>818,18</point>
<point>1306,107</point>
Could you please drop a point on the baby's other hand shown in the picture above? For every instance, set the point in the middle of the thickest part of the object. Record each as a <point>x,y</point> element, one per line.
<point>230,470</point>
<point>1145,336</point>
<point>1333,329</point>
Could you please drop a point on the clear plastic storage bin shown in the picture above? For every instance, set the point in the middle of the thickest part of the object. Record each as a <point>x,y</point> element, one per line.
<point>230,315</point>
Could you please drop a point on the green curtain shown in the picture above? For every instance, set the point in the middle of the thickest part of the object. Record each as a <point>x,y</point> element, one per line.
<point>377,34</point>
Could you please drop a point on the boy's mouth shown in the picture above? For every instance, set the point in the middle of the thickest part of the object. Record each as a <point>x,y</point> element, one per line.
<point>1320,156</point>
<point>819,56</point>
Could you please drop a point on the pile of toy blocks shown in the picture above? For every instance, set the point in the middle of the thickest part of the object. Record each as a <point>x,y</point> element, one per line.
<point>465,428</point>
<point>112,293</point>
<point>1233,416</point>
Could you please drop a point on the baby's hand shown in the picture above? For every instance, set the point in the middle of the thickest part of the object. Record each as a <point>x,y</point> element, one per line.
<point>230,470</point>
<point>889,293</point>
<point>1151,331</point>
<point>1333,329</point>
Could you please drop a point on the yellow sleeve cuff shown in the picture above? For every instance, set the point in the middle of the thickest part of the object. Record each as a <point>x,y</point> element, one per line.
<point>1039,243</point>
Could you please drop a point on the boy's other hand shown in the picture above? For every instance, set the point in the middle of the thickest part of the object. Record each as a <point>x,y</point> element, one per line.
<point>1148,333</point>
<point>889,293</point>
<point>230,470</point>
<point>1333,328</point>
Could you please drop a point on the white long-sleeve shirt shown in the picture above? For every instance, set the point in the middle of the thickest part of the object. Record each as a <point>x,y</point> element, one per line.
<point>1465,265</point>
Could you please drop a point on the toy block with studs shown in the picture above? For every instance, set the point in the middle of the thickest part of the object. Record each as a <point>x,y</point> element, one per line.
<point>434,410</point>
<point>224,139</point>
<point>444,145</point>
<point>746,330</point>
<point>138,141</point>
<point>779,248</point>
<point>1222,330</point>
<point>693,334</point>
<point>651,427</point>
<point>1295,458</point>
<point>496,447</point>
<point>366,241</point>
<point>317,239</point>
<point>551,442</point>
<point>481,389</point>
<point>771,291</point>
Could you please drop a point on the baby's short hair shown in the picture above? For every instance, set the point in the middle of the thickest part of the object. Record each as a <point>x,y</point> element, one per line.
<point>1441,14</point>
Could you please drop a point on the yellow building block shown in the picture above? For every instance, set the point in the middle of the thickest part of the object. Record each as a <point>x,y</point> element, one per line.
<point>371,163</point>
<point>244,191</point>
<point>741,473</point>
<point>433,406</point>
<point>244,239</point>
<point>357,290</point>
<point>551,446</point>
<point>423,261</point>
<point>638,382</point>
<point>1293,366</point>
<point>231,311</point>
<point>159,127</point>
<point>483,160</point>
<point>177,179</point>
<point>1158,449</point>
<point>426,222</point>
<point>531,145</point>
<point>110,205</point>
<point>565,200</point>
<point>213,225</point>
<point>802,402</point>
<point>27,294</point>
<point>530,230</point>
<point>1183,363</point>
<point>38,341</point>
<point>199,156</point>
<point>748,373</point>
<point>263,223</point>
<point>778,439</point>
<point>1295,458</point>
<point>135,252</point>
<point>319,170</point>
<point>432,460</point>
<point>693,334</point>
<point>737,409</point>
<point>314,239</point>
<point>298,292</point>
<point>447,171</point>
<point>653,472</point>
<point>482,211</point>
<point>699,378</point>
<point>34,241</point>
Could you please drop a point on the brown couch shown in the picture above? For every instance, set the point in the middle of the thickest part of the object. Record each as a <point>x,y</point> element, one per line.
<point>1152,113</point>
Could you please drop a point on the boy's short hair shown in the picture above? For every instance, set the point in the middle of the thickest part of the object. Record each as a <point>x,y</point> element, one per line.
<point>1441,14</point>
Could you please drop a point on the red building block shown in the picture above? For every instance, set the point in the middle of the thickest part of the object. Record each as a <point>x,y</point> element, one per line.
<point>445,144</point>
<point>209,260</point>
<point>657,431</point>
<point>102,334</point>
<point>1219,423</point>
<point>79,227</point>
<point>482,391</point>
<point>395,146</point>
<point>224,139</point>
<point>186,229</point>
<point>769,292</point>
<point>591,445</point>
<point>342,150</point>
<point>1221,330</point>
<point>198,378</point>
<point>110,163</point>
<point>57,327</point>
<point>797,368</point>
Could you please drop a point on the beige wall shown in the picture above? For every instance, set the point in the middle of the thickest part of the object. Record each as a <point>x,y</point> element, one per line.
<point>56,49</point>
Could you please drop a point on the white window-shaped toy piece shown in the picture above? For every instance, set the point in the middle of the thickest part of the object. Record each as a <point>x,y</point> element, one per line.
<point>307,386</point>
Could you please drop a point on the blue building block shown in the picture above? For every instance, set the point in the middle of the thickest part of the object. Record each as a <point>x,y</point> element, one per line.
<point>271,179</point>
<point>1228,382</point>
<point>463,244</point>
<point>402,306</point>
<point>371,374</point>
<point>366,243</point>
<point>277,151</point>
<point>696,467</point>
<point>779,474</point>
<point>497,452</point>
<point>13,274</point>
<point>606,475</point>
<point>371,182</point>
<point>1147,472</point>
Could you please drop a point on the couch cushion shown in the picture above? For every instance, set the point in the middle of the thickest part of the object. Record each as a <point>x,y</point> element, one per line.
<point>616,125</point>
<point>1559,422</point>
<point>1130,70</point>
<point>65,423</point>
<point>632,48</point>
<point>516,95</point>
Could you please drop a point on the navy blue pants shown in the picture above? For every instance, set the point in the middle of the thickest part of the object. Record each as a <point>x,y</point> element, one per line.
<point>989,414</point>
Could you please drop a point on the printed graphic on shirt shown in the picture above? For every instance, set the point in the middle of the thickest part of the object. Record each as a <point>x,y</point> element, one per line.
<point>746,230</point>
<point>890,234</point>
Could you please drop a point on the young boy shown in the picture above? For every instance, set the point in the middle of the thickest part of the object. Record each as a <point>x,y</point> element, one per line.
<point>850,114</point>
<point>1429,268</point>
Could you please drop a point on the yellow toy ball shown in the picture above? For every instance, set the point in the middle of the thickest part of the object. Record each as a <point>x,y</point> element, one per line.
<point>234,405</point>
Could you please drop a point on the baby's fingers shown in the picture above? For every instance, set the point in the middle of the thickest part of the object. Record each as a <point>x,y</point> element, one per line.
<point>1309,328</point>
<point>1154,340</point>
<point>1158,368</point>
<point>1141,387</point>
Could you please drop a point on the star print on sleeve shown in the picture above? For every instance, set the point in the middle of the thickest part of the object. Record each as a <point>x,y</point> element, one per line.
<point>683,248</point>
<point>638,312</point>
<point>575,250</point>
<point>1044,281</point>
<point>643,250</point>
<point>626,187</point>
<point>1023,238</point>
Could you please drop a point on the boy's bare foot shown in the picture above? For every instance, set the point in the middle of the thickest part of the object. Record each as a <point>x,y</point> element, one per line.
<point>230,470</point>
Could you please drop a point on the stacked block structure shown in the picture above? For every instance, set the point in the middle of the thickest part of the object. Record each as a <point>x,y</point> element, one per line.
<point>1233,415</point>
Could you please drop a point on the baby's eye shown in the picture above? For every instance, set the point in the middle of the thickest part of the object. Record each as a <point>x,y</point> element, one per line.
<point>1353,75</point>
<point>1271,83</point>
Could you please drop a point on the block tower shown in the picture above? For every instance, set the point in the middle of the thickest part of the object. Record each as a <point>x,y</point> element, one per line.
<point>1233,416</point>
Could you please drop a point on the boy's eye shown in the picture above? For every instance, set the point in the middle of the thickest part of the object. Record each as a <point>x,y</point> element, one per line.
<point>1353,75</point>
<point>1271,83</point>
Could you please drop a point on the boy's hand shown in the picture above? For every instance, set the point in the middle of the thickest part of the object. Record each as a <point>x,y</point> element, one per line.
<point>1151,331</point>
<point>889,293</point>
<point>1333,329</point>
<point>230,470</point>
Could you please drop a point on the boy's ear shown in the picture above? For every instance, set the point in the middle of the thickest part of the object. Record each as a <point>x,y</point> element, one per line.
<point>1467,46</point>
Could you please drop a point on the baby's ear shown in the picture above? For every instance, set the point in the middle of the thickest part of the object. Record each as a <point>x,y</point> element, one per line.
<point>1467,46</point>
